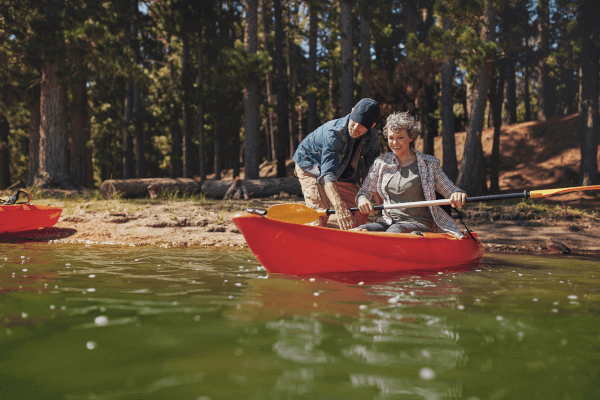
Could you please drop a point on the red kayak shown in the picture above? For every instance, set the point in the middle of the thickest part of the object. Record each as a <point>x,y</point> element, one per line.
<point>296,249</point>
<point>24,217</point>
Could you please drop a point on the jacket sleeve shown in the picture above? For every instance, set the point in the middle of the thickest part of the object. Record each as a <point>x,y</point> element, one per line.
<point>443,184</point>
<point>329,159</point>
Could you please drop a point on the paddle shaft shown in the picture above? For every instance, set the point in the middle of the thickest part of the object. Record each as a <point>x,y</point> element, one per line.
<point>443,202</point>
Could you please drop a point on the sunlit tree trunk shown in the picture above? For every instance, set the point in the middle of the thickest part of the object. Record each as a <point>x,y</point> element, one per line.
<point>53,170</point>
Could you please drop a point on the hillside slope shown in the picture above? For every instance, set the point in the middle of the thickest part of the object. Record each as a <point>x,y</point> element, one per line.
<point>535,155</point>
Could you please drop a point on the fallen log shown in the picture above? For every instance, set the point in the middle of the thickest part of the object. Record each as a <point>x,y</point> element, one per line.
<point>154,187</point>
<point>265,187</point>
<point>148,186</point>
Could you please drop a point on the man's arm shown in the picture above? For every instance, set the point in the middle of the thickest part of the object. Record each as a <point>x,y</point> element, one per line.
<point>344,216</point>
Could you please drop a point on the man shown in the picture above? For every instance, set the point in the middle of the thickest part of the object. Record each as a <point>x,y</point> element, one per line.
<point>327,160</point>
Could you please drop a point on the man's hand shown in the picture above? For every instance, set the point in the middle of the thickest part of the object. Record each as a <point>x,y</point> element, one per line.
<point>365,206</point>
<point>343,215</point>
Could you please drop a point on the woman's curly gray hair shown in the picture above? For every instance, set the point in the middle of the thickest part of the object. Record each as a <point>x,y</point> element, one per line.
<point>402,120</point>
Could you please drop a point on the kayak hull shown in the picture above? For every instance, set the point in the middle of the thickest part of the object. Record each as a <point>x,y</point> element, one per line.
<point>25,217</point>
<point>283,247</point>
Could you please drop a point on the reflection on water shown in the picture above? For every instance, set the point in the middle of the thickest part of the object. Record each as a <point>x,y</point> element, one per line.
<point>108,322</point>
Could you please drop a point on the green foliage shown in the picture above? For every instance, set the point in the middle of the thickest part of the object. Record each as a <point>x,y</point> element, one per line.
<point>93,39</point>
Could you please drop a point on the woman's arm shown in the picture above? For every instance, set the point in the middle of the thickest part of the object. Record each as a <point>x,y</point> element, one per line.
<point>446,188</point>
<point>368,187</point>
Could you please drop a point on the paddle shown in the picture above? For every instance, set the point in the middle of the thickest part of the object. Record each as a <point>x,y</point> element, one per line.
<point>301,214</point>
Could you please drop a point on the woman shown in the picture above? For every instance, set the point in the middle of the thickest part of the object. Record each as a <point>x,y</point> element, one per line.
<point>406,175</point>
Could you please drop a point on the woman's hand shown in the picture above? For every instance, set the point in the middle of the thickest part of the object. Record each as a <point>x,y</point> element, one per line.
<point>365,206</point>
<point>458,199</point>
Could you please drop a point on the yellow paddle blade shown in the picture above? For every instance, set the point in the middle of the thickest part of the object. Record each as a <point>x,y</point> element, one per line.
<point>549,192</point>
<point>294,213</point>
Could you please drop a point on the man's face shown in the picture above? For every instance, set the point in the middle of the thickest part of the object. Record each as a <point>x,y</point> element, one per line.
<point>356,130</point>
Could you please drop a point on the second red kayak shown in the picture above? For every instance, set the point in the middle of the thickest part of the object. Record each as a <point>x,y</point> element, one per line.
<point>305,250</point>
<point>24,217</point>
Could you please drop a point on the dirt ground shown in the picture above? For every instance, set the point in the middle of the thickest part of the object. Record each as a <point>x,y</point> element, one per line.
<point>534,156</point>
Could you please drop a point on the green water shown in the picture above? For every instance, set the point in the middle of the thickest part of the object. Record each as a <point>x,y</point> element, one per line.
<point>128,323</point>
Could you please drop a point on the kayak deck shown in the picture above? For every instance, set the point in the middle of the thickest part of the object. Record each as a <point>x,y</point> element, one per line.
<point>296,249</point>
<point>24,217</point>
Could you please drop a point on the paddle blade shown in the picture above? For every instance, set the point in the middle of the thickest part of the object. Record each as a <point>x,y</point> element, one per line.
<point>550,192</point>
<point>294,213</point>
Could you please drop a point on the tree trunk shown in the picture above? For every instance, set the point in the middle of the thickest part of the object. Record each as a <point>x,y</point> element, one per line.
<point>472,169</point>
<point>527,94</point>
<point>201,160</point>
<point>79,130</point>
<point>496,100</point>
<point>447,103</point>
<point>544,91</point>
<point>34,136</point>
<point>332,107</point>
<point>590,56</point>
<point>186,83</point>
<point>510,94</point>
<point>127,137</point>
<point>128,171</point>
<point>311,98</point>
<point>271,124</point>
<point>4,153</point>
<point>218,164</point>
<point>365,49</point>
<point>138,116</point>
<point>346,56</point>
<point>291,91</point>
<point>282,134</point>
<point>53,171</point>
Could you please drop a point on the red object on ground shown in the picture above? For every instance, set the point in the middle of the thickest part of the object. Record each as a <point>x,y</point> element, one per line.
<point>304,250</point>
<point>24,217</point>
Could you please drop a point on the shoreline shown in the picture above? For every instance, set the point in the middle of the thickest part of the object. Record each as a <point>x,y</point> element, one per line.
<point>207,223</point>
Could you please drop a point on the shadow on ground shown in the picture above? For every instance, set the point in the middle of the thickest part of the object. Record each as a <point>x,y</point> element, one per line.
<point>37,235</point>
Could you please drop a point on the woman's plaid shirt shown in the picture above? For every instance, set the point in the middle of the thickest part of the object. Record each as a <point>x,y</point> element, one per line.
<point>433,179</point>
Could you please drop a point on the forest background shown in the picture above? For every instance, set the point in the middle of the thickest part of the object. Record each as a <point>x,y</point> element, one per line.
<point>96,90</point>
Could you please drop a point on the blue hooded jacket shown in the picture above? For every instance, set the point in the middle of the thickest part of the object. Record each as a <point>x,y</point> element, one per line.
<point>325,153</point>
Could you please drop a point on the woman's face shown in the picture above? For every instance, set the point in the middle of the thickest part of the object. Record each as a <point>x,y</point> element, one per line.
<point>399,142</point>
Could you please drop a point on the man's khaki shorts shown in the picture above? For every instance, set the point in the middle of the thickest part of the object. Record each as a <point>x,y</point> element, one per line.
<point>315,197</point>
